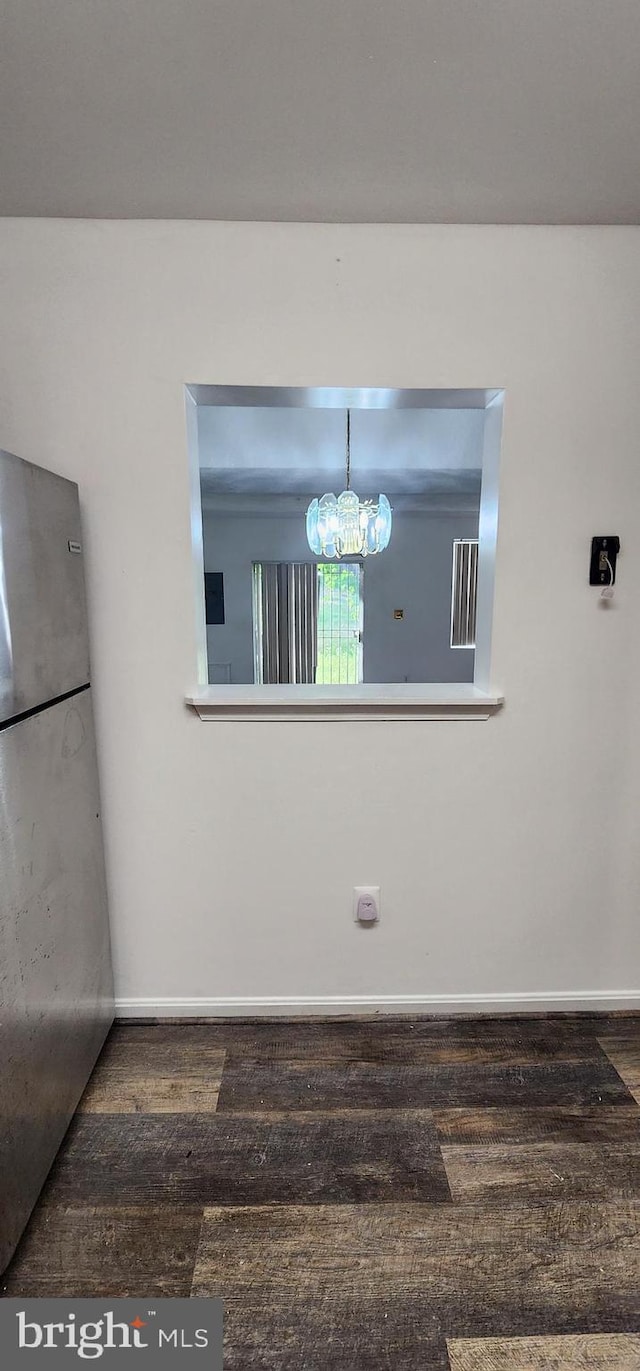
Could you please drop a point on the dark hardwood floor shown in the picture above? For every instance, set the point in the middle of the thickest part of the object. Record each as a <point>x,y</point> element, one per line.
<point>365,1194</point>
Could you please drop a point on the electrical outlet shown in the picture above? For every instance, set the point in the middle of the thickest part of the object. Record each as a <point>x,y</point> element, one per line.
<point>366,904</point>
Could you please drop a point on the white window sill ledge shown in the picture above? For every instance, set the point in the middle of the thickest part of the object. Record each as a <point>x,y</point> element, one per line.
<point>335,703</point>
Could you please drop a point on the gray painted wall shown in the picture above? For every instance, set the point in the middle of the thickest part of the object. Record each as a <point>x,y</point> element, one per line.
<point>413,574</point>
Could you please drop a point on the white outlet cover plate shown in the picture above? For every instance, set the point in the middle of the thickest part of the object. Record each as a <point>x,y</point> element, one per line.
<point>374,892</point>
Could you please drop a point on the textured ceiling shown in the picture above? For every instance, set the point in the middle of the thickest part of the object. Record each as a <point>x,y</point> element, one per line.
<point>502,111</point>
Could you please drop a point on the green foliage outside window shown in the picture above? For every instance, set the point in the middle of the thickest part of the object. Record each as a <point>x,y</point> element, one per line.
<point>339,624</point>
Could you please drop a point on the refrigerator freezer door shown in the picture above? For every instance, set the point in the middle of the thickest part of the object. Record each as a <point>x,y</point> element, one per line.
<point>43,619</point>
<point>56,992</point>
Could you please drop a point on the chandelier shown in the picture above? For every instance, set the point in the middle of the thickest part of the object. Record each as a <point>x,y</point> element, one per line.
<point>347,526</point>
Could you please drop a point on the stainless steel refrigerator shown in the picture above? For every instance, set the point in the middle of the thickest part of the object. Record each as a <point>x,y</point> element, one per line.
<point>56,988</point>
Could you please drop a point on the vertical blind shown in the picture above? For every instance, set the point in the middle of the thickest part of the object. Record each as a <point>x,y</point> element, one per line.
<point>464,592</point>
<point>285,617</point>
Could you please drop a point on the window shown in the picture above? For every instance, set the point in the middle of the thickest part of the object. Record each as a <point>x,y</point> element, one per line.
<point>339,624</point>
<point>464,585</point>
<point>307,620</point>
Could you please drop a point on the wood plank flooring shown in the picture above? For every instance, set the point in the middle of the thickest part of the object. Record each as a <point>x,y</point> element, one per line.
<point>623,1049</point>
<point>605,1353</point>
<point>365,1194</point>
<point>135,1077</point>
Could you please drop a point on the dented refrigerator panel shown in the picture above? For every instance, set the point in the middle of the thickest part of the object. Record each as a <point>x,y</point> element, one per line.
<point>44,643</point>
<point>56,989</point>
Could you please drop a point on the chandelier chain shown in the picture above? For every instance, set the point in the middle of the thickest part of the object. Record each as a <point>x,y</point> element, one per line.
<point>348,449</point>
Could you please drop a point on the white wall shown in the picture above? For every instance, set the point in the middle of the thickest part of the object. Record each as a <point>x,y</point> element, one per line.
<point>506,850</point>
<point>414,574</point>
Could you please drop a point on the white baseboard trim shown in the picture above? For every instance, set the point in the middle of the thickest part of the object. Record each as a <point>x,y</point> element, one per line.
<point>277,1005</point>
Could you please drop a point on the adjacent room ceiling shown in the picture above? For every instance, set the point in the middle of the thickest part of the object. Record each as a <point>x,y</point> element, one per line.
<point>432,458</point>
<point>452,111</point>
